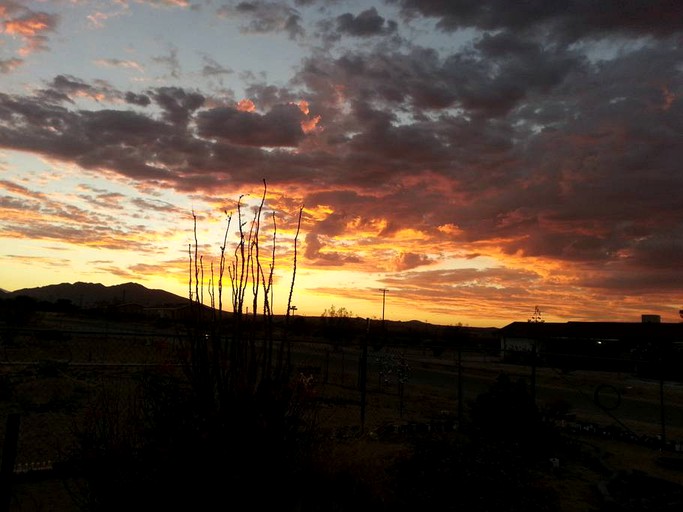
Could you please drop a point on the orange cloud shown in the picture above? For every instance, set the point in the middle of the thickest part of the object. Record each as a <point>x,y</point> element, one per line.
<point>308,125</point>
<point>27,27</point>
<point>30,27</point>
<point>311,125</point>
<point>408,234</point>
<point>303,106</point>
<point>450,229</point>
<point>246,105</point>
<point>318,212</point>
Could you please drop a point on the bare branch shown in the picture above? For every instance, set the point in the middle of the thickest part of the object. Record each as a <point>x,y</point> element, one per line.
<point>291,288</point>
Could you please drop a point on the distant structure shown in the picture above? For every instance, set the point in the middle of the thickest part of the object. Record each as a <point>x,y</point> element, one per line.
<point>536,317</point>
<point>649,348</point>
<point>650,319</point>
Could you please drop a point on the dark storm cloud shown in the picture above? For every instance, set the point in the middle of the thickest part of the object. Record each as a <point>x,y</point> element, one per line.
<point>592,175</point>
<point>67,88</point>
<point>177,104</point>
<point>315,251</point>
<point>281,126</point>
<point>400,144</point>
<point>409,260</point>
<point>266,96</point>
<point>490,79</point>
<point>335,223</point>
<point>70,85</point>
<point>649,264</point>
<point>164,149</point>
<point>123,141</point>
<point>141,100</point>
<point>365,24</point>
<point>505,70</point>
<point>54,96</point>
<point>119,127</point>
<point>555,152</point>
<point>569,19</point>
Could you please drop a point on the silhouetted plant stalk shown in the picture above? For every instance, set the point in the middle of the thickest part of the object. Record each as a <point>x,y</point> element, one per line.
<point>267,301</point>
<point>285,344</point>
<point>226,358</point>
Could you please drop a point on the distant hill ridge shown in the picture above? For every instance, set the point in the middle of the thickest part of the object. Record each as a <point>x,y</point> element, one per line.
<point>95,294</point>
<point>89,295</point>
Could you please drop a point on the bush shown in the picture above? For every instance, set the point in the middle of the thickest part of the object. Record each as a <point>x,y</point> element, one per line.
<point>156,446</point>
<point>458,473</point>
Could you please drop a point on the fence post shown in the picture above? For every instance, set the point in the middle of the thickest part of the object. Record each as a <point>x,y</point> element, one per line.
<point>534,362</point>
<point>327,366</point>
<point>9,457</point>
<point>662,410</point>
<point>460,397</point>
<point>362,376</point>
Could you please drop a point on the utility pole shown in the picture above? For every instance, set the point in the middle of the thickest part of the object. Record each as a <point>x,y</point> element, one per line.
<point>384,301</point>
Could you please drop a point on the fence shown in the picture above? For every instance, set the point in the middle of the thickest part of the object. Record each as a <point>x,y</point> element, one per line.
<point>50,377</point>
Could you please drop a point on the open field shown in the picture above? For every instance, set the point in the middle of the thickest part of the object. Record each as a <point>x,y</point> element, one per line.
<point>50,374</point>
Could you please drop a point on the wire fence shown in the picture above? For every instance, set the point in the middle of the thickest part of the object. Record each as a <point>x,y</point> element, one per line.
<point>49,378</point>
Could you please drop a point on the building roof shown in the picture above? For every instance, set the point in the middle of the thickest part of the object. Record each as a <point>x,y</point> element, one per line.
<point>594,330</point>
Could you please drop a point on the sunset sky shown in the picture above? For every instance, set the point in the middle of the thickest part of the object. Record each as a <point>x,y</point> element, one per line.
<point>473,158</point>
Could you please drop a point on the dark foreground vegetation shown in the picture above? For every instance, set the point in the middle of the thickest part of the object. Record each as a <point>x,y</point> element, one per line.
<point>166,452</point>
<point>169,436</point>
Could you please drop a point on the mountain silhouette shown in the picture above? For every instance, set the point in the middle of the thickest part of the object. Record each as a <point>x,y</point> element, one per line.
<point>96,294</point>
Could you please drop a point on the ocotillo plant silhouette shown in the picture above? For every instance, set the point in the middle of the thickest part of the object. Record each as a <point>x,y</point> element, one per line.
<point>225,358</point>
